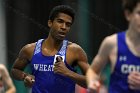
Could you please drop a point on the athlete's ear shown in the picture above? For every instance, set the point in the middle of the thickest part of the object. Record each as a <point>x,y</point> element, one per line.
<point>49,23</point>
<point>128,15</point>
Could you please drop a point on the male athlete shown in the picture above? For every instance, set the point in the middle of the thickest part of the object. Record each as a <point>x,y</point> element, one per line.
<point>53,59</point>
<point>122,50</point>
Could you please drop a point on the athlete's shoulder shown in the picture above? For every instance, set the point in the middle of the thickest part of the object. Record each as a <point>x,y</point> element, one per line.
<point>27,51</point>
<point>108,44</point>
<point>111,39</point>
<point>29,47</point>
<point>74,46</point>
<point>76,51</point>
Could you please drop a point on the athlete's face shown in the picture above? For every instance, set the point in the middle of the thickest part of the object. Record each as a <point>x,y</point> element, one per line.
<point>60,26</point>
<point>134,19</point>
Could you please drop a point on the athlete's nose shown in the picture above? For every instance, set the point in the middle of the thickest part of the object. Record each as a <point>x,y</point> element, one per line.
<point>63,26</point>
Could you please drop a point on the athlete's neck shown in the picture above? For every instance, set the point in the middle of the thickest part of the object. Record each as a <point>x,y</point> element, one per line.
<point>133,36</point>
<point>51,43</point>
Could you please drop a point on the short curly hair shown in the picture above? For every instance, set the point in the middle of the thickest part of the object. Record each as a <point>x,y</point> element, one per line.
<point>62,9</point>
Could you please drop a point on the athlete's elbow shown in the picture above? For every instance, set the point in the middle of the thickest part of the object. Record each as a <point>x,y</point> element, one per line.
<point>13,72</point>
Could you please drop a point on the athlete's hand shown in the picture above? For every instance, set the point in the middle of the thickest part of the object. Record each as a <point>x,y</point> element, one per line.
<point>29,80</point>
<point>60,67</point>
<point>134,80</point>
<point>93,87</point>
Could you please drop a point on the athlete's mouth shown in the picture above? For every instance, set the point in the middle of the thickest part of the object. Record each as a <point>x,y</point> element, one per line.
<point>62,33</point>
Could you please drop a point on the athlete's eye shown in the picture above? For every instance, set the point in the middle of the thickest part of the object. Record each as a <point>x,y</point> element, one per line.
<point>60,20</point>
<point>68,24</point>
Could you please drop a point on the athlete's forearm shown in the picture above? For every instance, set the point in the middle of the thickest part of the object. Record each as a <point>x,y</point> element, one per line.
<point>18,74</point>
<point>91,76</point>
<point>79,79</point>
<point>11,90</point>
<point>93,83</point>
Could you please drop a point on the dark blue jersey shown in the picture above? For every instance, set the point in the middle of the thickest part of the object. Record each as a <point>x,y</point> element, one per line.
<point>126,63</point>
<point>46,81</point>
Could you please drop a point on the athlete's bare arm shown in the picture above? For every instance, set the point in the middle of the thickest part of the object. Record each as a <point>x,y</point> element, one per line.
<point>75,55</point>
<point>21,62</point>
<point>7,80</point>
<point>81,60</point>
<point>106,54</point>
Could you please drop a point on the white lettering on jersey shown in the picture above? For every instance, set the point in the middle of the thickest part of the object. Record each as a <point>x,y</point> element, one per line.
<point>122,58</point>
<point>125,68</point>
<point>43,67</point>
<point>36,66</point>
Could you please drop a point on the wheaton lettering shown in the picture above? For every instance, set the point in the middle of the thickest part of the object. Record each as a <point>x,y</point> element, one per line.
<point>43,67</point>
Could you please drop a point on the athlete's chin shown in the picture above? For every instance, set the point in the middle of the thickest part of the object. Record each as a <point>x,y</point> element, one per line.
<point>60,38</point>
